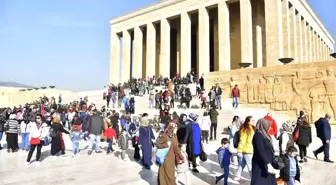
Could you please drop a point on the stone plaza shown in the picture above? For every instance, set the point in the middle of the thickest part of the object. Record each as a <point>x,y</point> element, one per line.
<point>100,169</point>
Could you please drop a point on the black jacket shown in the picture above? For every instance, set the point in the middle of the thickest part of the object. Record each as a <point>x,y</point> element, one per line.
<point>96,125</point>
<point>305,136</point>
<point>284,173</point>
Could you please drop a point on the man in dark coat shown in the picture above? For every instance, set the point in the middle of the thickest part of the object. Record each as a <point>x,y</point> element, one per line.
<point>193,140</point>
<point>323,131</point>
<point>201,82</point>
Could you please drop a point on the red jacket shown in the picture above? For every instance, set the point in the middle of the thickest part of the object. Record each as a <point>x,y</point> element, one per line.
<point>110,133</point>
<point>273,131</point>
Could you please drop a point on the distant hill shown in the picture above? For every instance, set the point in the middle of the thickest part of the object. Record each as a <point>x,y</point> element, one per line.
<point>15,84</point>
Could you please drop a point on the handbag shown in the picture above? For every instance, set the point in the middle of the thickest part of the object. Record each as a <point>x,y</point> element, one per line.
<point>161,155</point>
<point>46,141</point>
<point>35,141</point>
<point>203,156</point>
<point>296,135</point>
<point>278,163</point>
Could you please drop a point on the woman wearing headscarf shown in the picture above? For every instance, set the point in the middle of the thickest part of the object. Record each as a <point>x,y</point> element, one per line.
<point>166,174</point>
<point>146,136</point>
<point>286,138</point>
<point>263,172</point>
<point>234,127</point>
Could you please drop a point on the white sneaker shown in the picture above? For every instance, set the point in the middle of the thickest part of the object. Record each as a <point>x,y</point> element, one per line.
<point>27,163</point>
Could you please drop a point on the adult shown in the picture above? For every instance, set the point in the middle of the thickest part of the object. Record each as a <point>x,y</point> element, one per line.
<point>38,132</point>
<point>193,140</point>
<point>12,129</point>
<point>213,113</point>
<point>305,137</point>
<point>201,82</point>
<point>263,172</point>
<point>301,115</point>
<point>235,95</point>
<point>2,125</point>
<point>166,173</point>
<point>245,147</point>
<point>273,132</point>
<point>134,132</point>
<point>181,131</point>
<point>218,91</point>
<point>146,136</point>
<point>286,137</point>
<point>95,127</point>
<point>57,142</point>
<point>323,131</point>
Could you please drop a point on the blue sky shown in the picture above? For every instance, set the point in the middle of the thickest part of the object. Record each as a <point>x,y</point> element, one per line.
<point>50,42</point>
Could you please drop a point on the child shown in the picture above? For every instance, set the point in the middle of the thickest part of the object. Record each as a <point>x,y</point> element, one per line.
<point>291,171</point>
<point>110,134</point>
<point>123,144</point>
<point>182,168</point>
<point>224,160</point>
<point>76,136</point>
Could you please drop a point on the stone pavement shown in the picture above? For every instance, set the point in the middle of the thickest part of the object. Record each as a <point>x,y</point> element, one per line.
<point>109,170</point>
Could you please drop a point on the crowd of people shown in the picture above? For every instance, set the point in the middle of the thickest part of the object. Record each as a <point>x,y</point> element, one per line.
<point>176,140</point>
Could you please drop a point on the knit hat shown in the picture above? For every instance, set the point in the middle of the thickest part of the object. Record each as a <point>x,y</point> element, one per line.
<point>193,116</point>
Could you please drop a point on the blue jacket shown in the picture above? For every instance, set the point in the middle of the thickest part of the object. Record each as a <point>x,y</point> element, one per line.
<point>323,130</point>
<point>223,157</point>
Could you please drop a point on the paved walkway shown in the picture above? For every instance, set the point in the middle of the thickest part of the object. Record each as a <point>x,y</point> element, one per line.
<point>109,170</point>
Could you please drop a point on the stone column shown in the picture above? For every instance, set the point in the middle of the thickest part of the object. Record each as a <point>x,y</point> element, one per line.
<point>224,52</point>
<point>311,43</point>
<point>313,38</point>
<point>304,41</point>
<point>185,44</point>
<point>114,58</point>
<point>138,42</point>
<point>299,39</point>
<point>126,56</point>
<point>294,37</point>
<point>273,28</point>
<point>178,49</point>
<point>165,48</point>
<point>286,29</point>
<point>203,44</point>
<point>150,50</point>
<point>246,31</point>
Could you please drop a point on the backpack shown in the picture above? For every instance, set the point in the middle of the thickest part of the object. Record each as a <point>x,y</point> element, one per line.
<point>236,139</point>
<point>53,132</point>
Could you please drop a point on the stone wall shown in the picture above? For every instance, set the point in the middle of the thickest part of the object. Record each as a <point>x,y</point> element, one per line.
<point>10,97</point>
<point>310,87</point>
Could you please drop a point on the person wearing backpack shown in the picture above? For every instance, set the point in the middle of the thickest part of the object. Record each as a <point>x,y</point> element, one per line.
<point>234,141</point>
<point>286,137</point>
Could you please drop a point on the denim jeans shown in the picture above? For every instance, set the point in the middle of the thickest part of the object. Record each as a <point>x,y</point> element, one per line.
<point>94,139</point>
<point>218,101</point>
<point>1,133</point>
<point>151,104</point>
<point>244,160</point>
<point>225,175</point>
<point>235,102</point>
<point>25,141</point>
<point>291,180</point>
<point>75,148</point>
<point>109,146</point>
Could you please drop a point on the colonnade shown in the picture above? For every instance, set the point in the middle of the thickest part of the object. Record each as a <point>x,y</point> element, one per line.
<point>268,30</point>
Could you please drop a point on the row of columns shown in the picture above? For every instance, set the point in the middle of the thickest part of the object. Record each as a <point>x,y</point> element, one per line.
<point>287,34</point>
<point>300,40</point>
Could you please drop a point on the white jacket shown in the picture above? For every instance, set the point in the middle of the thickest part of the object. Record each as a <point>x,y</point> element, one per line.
<point>25,128</point>
<point>206,123</point>
<point>41,132</point>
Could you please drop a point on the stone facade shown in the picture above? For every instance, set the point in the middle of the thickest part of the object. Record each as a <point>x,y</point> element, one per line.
<point>310,87</point>
<point>177,36</point>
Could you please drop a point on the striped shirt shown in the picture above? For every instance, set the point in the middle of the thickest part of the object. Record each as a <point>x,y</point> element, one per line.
<point>12,126</point>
